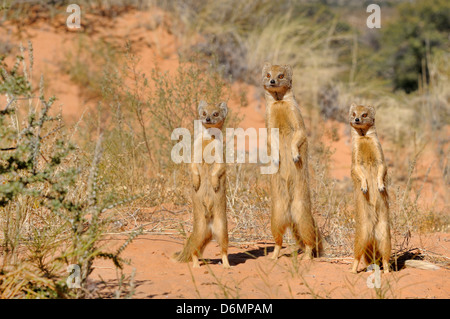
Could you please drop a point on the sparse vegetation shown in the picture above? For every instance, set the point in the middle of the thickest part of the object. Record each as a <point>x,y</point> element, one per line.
<point>52,202</point>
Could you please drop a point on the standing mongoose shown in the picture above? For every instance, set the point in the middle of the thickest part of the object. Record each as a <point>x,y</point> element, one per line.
<point>290,194</point>
<point>208,192</point>
<point>369,175</point>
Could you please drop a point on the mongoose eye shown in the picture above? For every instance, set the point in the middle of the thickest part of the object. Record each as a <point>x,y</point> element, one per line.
<point>281,76</point>
<point>354,114</point>
<point>204,113</point>
<point>215,114</point>
<point>268,75</point>
<point>364,115</point>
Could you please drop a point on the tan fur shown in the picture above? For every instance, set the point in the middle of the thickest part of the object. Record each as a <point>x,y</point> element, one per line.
<point>369,174</point>
<point>291,200</point>
<point>208,195</point>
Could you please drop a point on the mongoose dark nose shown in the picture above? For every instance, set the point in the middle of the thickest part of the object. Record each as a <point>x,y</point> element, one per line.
<point>272,81</point>
<point>208,119</point>
<point>357,120</point>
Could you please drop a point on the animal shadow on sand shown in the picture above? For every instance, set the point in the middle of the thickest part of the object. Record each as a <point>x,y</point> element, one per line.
<point>399,258</point>
<point>242,257</point>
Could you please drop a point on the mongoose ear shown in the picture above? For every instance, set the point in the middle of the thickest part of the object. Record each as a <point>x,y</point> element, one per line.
<point>352,108</point>
<point>289,70</point>
<point>201,106</point>
<point>266,68</point>
<point>372,109</point>
<point>223,109</point>
<point>267,65</point>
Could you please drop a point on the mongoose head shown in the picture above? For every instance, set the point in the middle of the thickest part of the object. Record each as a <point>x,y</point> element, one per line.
<point>277,78</point>
<point>361,117</point>
<point>212,115</point>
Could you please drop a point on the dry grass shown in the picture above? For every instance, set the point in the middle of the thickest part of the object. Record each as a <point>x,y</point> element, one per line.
<point>54,207</point>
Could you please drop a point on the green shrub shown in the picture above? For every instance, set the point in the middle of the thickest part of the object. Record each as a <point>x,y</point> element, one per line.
<point>51,202</point>
<point>419,30</point>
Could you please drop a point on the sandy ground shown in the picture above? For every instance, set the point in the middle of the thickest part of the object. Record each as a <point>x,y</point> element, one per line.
<point>253,274</point>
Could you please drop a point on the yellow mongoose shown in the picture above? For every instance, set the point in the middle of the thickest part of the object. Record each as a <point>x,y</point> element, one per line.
<point>208,194</point>
<point>290,198</point>
<point>369,174</point>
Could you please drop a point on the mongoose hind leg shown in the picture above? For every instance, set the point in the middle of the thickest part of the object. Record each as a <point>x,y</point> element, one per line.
<point>276,251</point>
<point>200,237</point>
<point>385,250</point>
<point>220,233</point>
<point>304,228</point>
<point>277,232</point>
<point>386,265</point>
<point>355,265</point>
<point>196,263</point>
<point>278,224</point>
<point>358,251</point>
<point>383,239</point>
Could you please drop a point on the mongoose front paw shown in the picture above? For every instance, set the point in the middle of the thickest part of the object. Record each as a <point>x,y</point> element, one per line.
<point>296,158</point>
<point>381,188</point>
<point>364,187</point>
<point>215,184</point>
<point>276,162</point>
<point>196,182</point>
